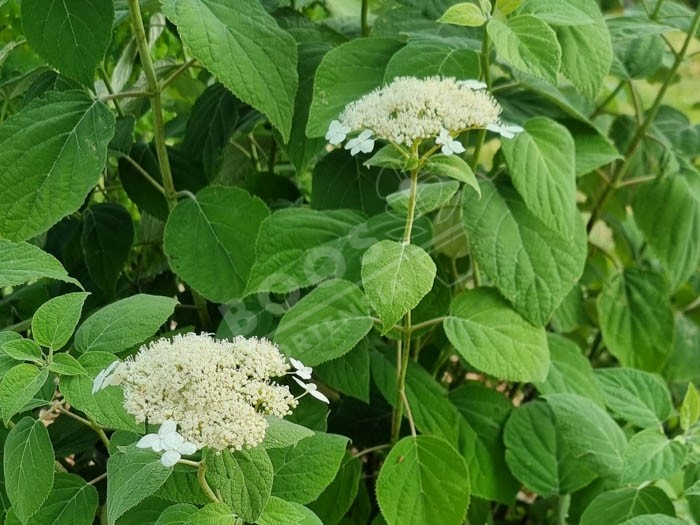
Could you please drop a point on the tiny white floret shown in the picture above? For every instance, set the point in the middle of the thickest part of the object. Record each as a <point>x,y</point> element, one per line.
<point>362,143</point>
<point>106,378</point>
<point>449,145</point>
<point>507,131</point>
<point>168,441</point>
<point>312,390</point>
<point>472,84</point>
<point>300,369</point>
<point>337,132</point>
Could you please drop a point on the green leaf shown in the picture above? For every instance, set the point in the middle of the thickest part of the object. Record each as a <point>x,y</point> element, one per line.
<point>429,197</point>
<point>246,50</point>
<point>367,58</point>
<point>326,324</point>
<point>650,455</point>
<point>243,478</point>
<point>654,519</point>
<point>548,263</point>
<point>570,372</point>
<point>71,502</point>
<point>489,334</point>
<point>23,350</point>
<point>463,14</point>
<point>281,433</point>
<point>132,476</point>
<point>281,512</point>
<point>635,396</point>
<point>67,134</point>
<point>506,7</point>
<point>636,318</point>
<point>454,167</point>
<point>528,44</point>
<point>396,277</point>
<point>28,461</point>
<point>591,435</point>
<point>593,150</point>
<point>429,59</point>
<point>18,387</point>
<point>54,321</point>
<point>209,241</point>
<point>182,486</point>
<point>537,454</point>
<point>66,365</point>
<point>423,480</point>
<point>541,162</point>
<point>179,514</point>
<point>682,366</point>
<point>336,500</point>
<point>21,262</point>
<point>618,506</point>
<point>124,323</point>
<point>303,471</point>
<point>348,374</point>
<point>690,409</point>
<point>106,241</point>
<point>668,213</point>
<point>52,28</point>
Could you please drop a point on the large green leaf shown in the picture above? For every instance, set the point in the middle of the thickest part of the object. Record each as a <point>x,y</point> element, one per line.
<point>334,88</point>
<point>547,265</point>
<point>650,455</point>
<point>396,277</point>
<point>668,213</point>
<point>281,433</point>
<point>423,480</point>
<point>349,373</point>
<point>427,59</point>
<point>429,197</point>
<point>123,324</point>
<point>304,470</point>
<point>71,502</point>
<point>335,501</point>
<point>21,262</point>
<point>210,240</point>
<point>281,512</point>
<point>325,324</point>
<point>591,435</point>
<point>28,461</point>
<point>635,396</point>
<point>654,519</point>
<point>528,44</point>
<point>494,338</point>
<point>51,155</point>
<point>243,478</point>
<point>72,36</point>
<point>541,162</point>
<point>683,364</point>
<point>54,321</point>
<point>18,387</point>
<point>537,454</point>
<point>636,318</point>
<point>106,239</point>
<point>246,50</point>
<point>133,475</point>
<point>618,506</point>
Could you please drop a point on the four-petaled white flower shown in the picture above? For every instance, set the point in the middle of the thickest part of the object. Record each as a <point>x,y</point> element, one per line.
<point>337,132</point>
<point>362,143</point>
<point>472,84</point>
<point>507,131</point>
<point>106,378</point>
<point>300,370</point>
<point>312,389</point>
<point>168,441</point>
<point>449,145</point>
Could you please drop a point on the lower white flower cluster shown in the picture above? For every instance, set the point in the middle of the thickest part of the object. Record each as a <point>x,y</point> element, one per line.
<point>216,391</point>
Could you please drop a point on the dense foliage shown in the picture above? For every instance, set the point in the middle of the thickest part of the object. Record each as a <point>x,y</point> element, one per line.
<point>502,309</point>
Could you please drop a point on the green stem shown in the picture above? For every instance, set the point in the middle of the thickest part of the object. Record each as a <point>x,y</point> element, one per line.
<point>363,17</point>
<point>657,9</point>
<point>110,90</point>
<point>156,104</point>
<point>183,67</point>
<point>201,305</point>
<point>403,355</point>
<point>411,207</point>
<point>607,100</point>
<point>22,326</point>
<point>642,130</point>
<point>201,471</point>
<point>88,423</point>
<point>563,504</point>
<point>427,324</point>
<point>153,182</point>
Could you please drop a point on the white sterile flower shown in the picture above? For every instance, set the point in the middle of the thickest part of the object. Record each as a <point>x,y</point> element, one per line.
<point>472,84</point>
<point>300,370</point>
<point>449,145</point>
<point>312,390</point>
<point>168,441</point>
<point>507,131</point>
<point>106,377</point>
<point>337,132</point>
<point>362,143</point>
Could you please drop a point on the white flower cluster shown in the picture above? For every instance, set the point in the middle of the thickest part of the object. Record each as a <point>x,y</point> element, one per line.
<point>410,109</point>
<point>216,391</point>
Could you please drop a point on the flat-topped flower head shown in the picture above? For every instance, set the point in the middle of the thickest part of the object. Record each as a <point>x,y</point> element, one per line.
<point>410,109</point>
<point>216,391</point>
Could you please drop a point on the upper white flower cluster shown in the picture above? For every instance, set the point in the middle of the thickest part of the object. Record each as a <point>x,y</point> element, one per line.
<point>410,109</point>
